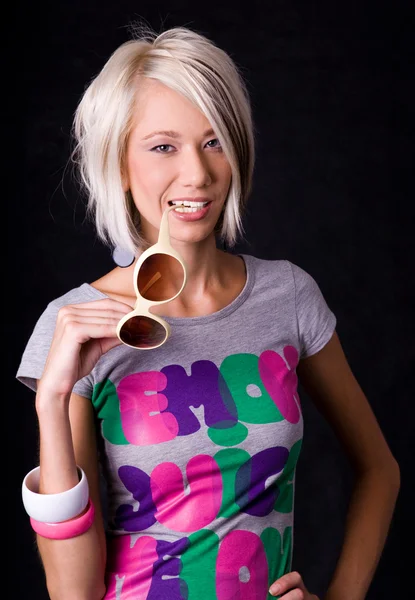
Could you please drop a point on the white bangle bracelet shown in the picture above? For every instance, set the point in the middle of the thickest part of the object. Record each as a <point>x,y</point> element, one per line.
<point>54,508</point>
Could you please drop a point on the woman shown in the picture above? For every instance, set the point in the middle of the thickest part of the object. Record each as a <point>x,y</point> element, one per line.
<point>174,378</point>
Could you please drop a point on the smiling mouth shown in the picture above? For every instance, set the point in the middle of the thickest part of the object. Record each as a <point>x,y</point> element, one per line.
<point>187,206</point>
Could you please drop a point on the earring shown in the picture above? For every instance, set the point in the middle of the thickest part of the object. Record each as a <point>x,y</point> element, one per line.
<point>123,258</point>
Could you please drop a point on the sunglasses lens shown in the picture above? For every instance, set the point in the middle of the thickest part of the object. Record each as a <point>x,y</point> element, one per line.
<point>160,277</point>
<point>142,332</point>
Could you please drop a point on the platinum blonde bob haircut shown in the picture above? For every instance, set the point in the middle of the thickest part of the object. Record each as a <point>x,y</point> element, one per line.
<point>188,63</point>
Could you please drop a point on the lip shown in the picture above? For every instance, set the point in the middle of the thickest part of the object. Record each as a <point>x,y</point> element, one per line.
<point>199,215</point>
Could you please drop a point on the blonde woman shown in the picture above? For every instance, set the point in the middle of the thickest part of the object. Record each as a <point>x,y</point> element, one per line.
<point>166,391</point>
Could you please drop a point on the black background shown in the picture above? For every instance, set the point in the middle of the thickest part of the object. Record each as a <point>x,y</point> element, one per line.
<point>332,94</point>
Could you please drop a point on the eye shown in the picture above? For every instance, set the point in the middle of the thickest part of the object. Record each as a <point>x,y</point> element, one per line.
<point>162,148</point>
<point>215,144</point>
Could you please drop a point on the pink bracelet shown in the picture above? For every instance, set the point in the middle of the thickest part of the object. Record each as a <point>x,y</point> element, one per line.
<point>66,529</point>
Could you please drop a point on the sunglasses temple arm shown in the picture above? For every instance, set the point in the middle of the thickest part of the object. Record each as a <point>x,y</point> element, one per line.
<point>164,233</point>
<point>152,281</point>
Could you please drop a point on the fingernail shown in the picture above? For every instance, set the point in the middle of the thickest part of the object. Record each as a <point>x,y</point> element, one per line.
<point>274,589</point>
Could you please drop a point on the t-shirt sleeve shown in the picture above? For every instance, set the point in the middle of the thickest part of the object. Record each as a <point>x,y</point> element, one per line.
<point>36,352</point>
<point>316,321</point>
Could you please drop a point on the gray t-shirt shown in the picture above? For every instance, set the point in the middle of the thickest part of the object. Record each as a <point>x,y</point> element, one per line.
<point>201,438</point>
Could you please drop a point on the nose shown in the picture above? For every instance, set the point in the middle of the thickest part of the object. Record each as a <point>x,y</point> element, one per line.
<point>194,170</point>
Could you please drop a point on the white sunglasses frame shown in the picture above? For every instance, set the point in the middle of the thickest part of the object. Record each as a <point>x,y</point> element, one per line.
<point>142,305</point>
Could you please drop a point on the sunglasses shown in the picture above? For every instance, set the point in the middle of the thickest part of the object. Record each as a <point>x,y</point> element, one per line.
<point>159,277</point>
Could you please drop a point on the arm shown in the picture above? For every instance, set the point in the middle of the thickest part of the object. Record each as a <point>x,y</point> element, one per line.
<point>83,332</point>
<point>74,568</point>
<point>330,383</point>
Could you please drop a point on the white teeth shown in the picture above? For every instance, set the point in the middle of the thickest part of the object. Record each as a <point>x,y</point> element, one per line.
<point>188,207</point>
<point>190,204</point>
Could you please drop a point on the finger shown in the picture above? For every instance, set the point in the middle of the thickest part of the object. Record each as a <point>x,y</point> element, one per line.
<point>295,594</point>
<point>109,343</point>
<point>116,310</point>
<point>105,303</point>
<point>93,319</point>
<point>67,317</point>
<point>82,332</point>
<point>286,582</point>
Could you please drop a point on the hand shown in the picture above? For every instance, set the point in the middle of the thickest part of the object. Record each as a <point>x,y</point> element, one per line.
<point>291,587</point>
<point>83,333</point>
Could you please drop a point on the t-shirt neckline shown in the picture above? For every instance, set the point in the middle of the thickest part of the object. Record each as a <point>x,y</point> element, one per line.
<point>219,314</point>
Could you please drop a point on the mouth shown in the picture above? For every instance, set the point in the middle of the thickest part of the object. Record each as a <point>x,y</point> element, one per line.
<point>189,206</point>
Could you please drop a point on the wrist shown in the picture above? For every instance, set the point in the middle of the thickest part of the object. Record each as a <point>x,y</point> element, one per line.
<point>54,507</point>
<point>49,400</point>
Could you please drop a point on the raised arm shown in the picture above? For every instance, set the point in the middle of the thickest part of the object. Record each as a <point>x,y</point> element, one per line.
<point>71,544</point>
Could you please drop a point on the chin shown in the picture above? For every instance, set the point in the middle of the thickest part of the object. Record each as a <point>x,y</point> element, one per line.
<point>191,237</point>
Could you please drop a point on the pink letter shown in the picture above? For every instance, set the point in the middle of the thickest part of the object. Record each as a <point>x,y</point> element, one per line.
<point>130,568</point>
<point>241,567</point>
<point>140,426</point>
<point>187,509</point>
<point>280,382</point>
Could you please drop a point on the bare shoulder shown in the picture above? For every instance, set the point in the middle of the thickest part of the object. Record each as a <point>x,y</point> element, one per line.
<point>117,284</point>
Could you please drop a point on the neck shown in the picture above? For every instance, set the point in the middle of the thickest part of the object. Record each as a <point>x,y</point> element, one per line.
<point>214,279</point>
<point>204,264</point>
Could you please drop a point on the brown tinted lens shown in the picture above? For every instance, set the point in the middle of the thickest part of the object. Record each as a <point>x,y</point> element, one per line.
<point>160,277</point>
<point>142,332</point>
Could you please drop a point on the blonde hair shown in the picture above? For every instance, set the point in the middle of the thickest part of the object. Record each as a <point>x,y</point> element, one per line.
<point>190,64</point>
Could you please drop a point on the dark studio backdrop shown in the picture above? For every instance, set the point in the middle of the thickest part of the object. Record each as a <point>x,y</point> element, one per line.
<point>331,86</point>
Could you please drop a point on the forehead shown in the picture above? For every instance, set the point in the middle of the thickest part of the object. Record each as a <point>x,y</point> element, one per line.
<point>159,107</point>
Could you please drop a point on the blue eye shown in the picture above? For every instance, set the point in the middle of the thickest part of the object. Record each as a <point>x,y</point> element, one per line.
<point>214,144</point>
<point>162,148</point>
<point>168,148</point>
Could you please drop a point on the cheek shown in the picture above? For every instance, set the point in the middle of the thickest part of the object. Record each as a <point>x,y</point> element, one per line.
<point>143,175</point>
<point>225,174</point>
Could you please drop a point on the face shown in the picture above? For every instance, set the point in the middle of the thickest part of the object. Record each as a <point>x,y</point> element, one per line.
<point>173,155</point>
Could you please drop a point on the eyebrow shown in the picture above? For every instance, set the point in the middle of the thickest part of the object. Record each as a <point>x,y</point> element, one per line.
<point>172,134</point>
